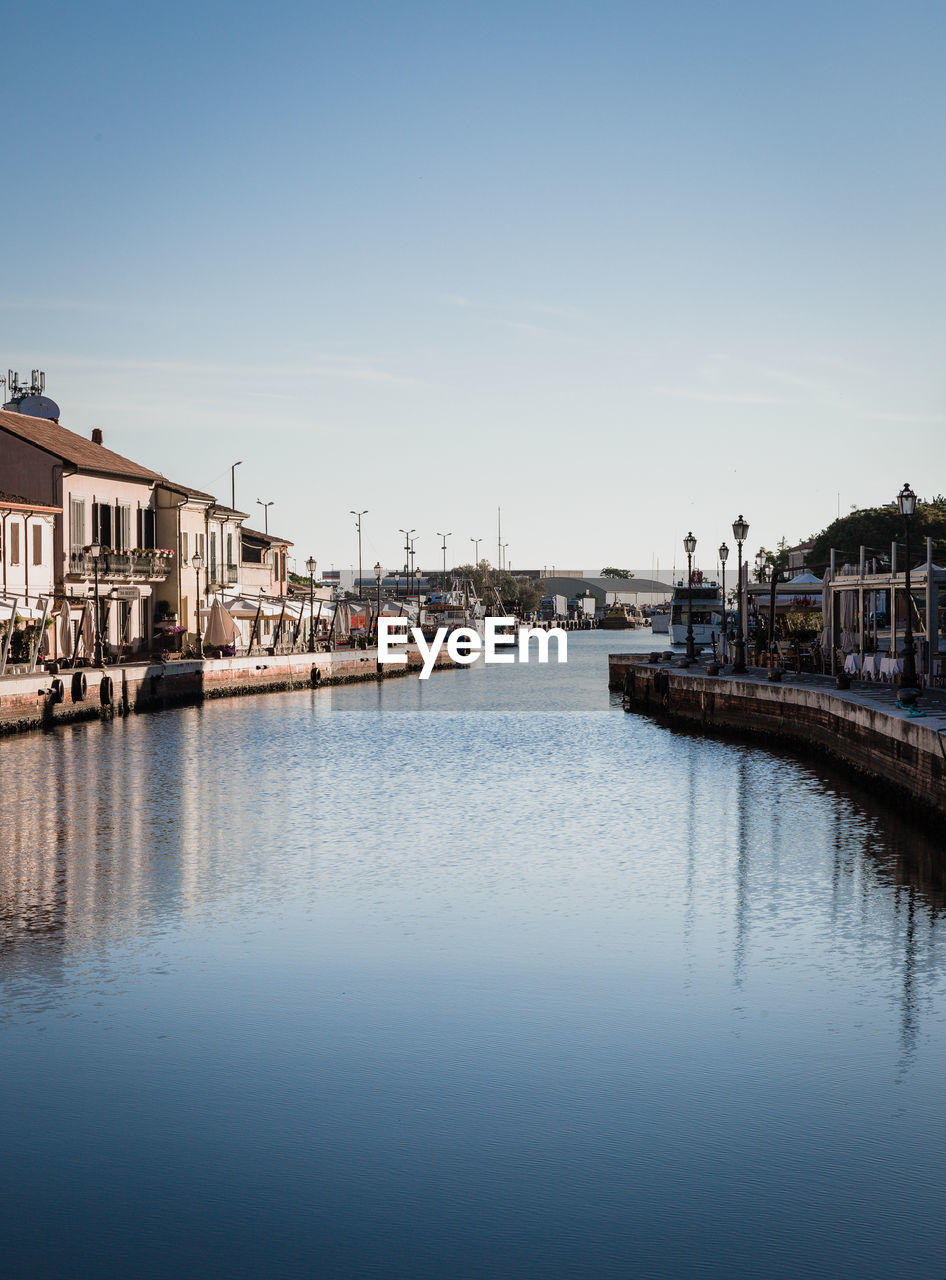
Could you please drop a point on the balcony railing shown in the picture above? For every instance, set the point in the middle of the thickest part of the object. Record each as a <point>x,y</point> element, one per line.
<point>129,566</point>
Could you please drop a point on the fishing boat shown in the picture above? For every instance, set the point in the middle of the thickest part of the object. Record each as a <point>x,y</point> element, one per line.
<point>708,612</point>
<point>620,617</point>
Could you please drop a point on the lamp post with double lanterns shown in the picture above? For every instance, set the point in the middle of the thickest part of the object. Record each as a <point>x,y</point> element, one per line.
<point>95,551</point>
<point>311,565</point>
<point>740,531</point>
<point>906,501</point>
<point>689,546</point>
<point>723,557</point>
<point>197,563</point>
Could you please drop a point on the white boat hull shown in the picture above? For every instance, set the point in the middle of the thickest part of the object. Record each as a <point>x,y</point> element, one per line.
<point>660,624</point>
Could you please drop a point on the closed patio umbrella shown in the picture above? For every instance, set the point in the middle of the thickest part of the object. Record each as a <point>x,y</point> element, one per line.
<point>221,629</point>
<point>65,630</point>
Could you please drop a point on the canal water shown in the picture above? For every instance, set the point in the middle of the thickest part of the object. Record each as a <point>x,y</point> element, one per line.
<point>476,977</point>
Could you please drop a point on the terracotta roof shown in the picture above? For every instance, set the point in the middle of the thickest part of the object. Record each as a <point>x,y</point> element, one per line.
<point>185,489</point>
<point>266,537</point>
<point>62,443</point>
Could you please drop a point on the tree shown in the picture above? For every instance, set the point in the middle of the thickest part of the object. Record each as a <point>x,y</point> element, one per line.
<point>611,572</point>
<point>875,528</point>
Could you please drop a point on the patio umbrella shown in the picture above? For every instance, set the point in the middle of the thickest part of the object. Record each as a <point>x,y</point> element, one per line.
<point>65,629</point>
<point>826,610</point>
<point>221,629</point>
<point>88,631</point>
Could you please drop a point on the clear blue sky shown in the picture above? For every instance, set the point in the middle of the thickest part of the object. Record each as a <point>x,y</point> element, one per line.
<point>623,269</point>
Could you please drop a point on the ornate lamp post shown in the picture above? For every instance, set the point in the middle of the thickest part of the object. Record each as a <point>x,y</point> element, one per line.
<point>197,563</point>
<point>723,557</point>
<point>689,546</point>
<point>740,531</point>
<point>378,575</point>
<point>311,565</point>
<point>906,500</point>
<point>95,551</point>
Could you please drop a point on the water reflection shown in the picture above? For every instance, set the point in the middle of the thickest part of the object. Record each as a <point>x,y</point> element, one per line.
<point>469,973</point>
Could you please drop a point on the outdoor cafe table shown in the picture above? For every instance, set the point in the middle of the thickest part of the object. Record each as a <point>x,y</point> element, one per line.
<point>852,664</point>
<point>890,667</point>
<point>870,666</point>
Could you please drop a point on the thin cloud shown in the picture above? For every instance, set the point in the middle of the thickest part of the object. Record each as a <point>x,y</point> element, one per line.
<point>718,397</point>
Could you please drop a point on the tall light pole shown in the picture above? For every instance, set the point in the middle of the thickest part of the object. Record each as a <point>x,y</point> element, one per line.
<point>378,575</point>
<point>502,563</point>
<point>233,483</point>
<point>906,500</point>
<point>723,557</point>
<point>358,515</point>
<point>95,550</point>
<point>445,536</point>
<point>417,578</point>
<point>476,551</point>
<point>740,531</point>
<point>407,558</point>
<point>266,506</point>
<point>197,563</point>
<point>689,546</point>
<point>311,565</point>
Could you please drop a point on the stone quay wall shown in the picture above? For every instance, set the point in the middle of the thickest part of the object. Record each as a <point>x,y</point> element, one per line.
<point>43,701</point>
<point>901,755</point>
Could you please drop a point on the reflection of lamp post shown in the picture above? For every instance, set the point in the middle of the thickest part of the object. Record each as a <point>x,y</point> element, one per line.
<point>689,546</point>
<point>310,564</point>
<point>723,557</point>
<point>378,575</point>
<point>906,500</point>
<point>197,563</point>
<point>95,550</point>
<point>740,531</point>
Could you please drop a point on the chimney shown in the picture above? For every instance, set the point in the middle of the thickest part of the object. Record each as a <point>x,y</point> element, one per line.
<point>96,435</point>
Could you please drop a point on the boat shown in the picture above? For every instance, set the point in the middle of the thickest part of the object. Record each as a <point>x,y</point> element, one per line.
<point>708,612</point>
<point>620,617</point>
<point>455,609</point>
<point>660,620</point>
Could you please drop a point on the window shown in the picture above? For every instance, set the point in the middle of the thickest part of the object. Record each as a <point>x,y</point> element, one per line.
<point>183,548</point>
<point>145,528</point>
<point>37,544</point>
<point>77,534</point>
<point>102,524</point>
<point>229,549</point>
<point>122,527</point>
<point>15,542</point>
<point>213,557</point>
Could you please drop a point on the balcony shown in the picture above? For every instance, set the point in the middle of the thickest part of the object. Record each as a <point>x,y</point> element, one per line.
<point>122,566</point>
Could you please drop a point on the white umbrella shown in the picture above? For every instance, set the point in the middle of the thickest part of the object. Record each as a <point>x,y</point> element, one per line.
<point>65,629</point>
<point>221,629</point>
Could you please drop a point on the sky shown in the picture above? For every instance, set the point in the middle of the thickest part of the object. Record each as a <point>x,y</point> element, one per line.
<point>622,270</point>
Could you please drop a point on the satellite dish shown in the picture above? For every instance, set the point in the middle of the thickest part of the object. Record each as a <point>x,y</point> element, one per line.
<point>38,407</point>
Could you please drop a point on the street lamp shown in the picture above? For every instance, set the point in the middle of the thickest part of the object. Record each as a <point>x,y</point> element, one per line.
<point>233,483</point>
<point>723,554</point>
<point>407,558</point>
<point>476,551</point>
<point>197,563</point>
<point>358,515</point>
<point>689,546</point>
<point>906,500</point>
<point>378,575</point>
<point>445,536</point>
<point>95,550</point>
<point>311,565</point>
<point>740,531</point>
<point>397,585</point>
<point>266,506</point>
<point>417,576</point>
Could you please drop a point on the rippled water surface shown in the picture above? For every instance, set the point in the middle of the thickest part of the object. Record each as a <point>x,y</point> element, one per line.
<point>477,977</point>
